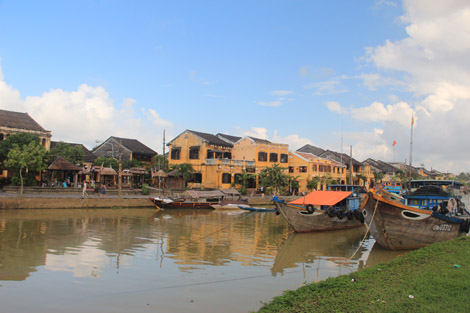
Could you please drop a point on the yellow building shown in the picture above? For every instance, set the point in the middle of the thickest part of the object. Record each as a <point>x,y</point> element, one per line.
<point>306,166</point>
<point>210,157</point>
<point>12,123</point>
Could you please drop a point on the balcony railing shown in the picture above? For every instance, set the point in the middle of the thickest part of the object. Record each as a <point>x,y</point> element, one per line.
<point>229,162</point>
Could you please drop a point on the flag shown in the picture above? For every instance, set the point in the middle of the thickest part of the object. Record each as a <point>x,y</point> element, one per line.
<point>394,143</point>
<point>412,120</point>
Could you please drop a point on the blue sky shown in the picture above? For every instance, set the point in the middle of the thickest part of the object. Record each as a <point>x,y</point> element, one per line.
<point>292,72</point>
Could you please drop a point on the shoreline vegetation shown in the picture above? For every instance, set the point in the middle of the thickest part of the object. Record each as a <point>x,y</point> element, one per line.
<point>435,278</point>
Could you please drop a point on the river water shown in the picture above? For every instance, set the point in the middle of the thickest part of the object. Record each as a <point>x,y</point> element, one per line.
<point>136,260</point>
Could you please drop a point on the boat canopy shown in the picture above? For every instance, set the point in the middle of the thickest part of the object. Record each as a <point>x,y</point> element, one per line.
<point>322,198</point>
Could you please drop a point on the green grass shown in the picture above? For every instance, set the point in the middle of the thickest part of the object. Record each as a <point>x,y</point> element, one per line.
<point>428,274</point>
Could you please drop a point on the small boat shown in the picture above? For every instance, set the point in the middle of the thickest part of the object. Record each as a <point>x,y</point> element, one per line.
<point>422,217</point>
<point>322,211</point>
<point>179,204</point>
<point>255,209</point>
<point>229,204</point>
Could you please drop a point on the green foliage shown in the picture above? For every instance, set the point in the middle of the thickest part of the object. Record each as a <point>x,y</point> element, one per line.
<point>145,189</point>
<point>428,274</point>
<point>274,177</point>
<point>72,153</point>
<point>185,170</point>
<point>362,177</point>
<point>378,176</point>
<point>244,177</point>
<point>20,139</point>
<point>131,163</point>
<point>160,161</point>
<point>29,179</point>
<point>312,184</point>
<point>107,162</point>
<point>29,157</point>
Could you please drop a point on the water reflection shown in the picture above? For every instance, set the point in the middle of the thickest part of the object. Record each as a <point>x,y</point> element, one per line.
<point>173,259</point>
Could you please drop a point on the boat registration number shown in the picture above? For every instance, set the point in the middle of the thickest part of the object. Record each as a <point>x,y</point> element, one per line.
<point>442,227</point>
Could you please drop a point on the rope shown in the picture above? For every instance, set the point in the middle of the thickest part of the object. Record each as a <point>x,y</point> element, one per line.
<point>368,229</point>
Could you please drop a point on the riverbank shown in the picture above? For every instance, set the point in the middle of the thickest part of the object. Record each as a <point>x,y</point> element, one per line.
<point>71,198</point>
<point>432,279</point>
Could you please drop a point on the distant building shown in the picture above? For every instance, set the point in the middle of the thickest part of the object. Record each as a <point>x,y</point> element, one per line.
<point>132,149</point>
<point>12,123</point>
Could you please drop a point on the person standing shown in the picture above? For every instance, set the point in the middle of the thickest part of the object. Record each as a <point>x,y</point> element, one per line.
<point>85,185</point>
<point>103,191</point>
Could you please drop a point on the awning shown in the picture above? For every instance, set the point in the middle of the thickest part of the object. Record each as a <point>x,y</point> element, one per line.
<point>322,198</point>
<point>204,194</point>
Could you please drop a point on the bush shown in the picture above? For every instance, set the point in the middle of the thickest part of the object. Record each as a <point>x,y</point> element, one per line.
<point>145,189</point>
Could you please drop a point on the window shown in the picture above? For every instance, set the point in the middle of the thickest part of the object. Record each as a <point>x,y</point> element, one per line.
<point>197,178</point>
<point>262,156</point>
<point>315,168</point>
<point>284,158</point>
<point>194,153</point>
<point>302,169</point>
<point>175,153</point>
<point>291,169</point>
<point>226,178</point>
<point>238,179</point>
<point>227,155</point>
<point>273,157</point>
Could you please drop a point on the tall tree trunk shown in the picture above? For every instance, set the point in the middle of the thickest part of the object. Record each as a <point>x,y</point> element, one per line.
<point>21,181</point>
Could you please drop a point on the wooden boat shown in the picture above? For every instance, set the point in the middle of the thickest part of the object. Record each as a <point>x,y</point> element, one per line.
<point>322,211</point>
<point>229,204</point>
<point>176,204</point>
<point>255,209</point>
<point>402,225</point>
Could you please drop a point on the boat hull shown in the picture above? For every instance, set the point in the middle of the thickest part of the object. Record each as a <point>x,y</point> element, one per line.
<point>303,222</point>
<point>396,226</point>
<point>160,204</point>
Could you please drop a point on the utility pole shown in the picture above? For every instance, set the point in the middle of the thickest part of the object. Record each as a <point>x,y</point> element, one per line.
<point>120,171</point>
<point>351,164</point>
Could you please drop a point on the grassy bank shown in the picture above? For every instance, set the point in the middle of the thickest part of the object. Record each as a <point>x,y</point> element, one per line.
<point>433,279</point>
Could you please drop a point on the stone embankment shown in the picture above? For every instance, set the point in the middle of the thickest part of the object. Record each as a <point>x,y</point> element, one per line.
<point>70,198</point>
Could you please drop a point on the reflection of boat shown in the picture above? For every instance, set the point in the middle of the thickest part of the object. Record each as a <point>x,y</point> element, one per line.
<point>379,254</point>
<point>255,209</point>
<point>397,226</point>
<point>322,210</point>
<point>175,204</point>
<point>305,248</point>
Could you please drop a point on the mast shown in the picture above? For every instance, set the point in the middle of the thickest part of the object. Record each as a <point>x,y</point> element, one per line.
<point>351,164</point>
<point>411,144</point>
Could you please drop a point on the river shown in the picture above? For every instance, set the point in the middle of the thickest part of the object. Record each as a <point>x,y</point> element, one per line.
<point>136,260</point>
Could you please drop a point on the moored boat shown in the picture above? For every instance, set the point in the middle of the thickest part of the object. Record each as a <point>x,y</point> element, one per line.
<point>179,204</point>
<point>255,209</point>
<point>322,211</point>
<point>423,217</point>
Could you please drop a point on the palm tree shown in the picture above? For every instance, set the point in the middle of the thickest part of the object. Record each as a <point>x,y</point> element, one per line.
<point>186,170</point>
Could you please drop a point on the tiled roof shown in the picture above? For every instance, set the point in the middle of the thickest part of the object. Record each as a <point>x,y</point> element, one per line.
<point>134,145</point>
<point>231,139</point>
<point>258,140</point>
<point>18,120</point>
<point>212,139</point>
<point>61,164</point>
<point>311,149</point>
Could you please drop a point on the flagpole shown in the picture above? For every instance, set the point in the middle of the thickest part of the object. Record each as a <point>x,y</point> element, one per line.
<point>411,143</point>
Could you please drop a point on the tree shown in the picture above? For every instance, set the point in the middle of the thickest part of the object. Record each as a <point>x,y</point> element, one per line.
<point>244,178</point>
<point>312,184</point>
<point>161,162</point>
<point>29,157</point>
<point>186,170</point>
<point>294,183</point>
<point>274,177</point>
<point>72,153</point>
<point>378,176</point>
<point>107,162</point>
<point>20,139</point>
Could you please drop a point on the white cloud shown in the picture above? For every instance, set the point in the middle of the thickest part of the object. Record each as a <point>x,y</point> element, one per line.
<point>87,115</point>
<point>334,106</point>
<point>329,87</point>
<point>432,62</point>
<point>274,103</point>
<point>281,92</point>
<point>257,132</point>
